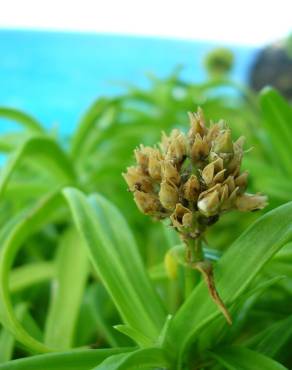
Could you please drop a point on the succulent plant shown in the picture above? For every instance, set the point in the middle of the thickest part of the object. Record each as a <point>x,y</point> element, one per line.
<point>191,180</point>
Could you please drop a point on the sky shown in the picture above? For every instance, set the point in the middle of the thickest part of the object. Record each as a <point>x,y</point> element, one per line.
<point>243,22</point>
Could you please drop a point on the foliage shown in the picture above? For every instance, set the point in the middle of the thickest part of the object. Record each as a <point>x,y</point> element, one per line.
<point>81,268</point>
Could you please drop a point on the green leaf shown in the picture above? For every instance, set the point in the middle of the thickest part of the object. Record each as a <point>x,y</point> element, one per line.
<point>240,358</point>
<point>9,142</point>
<point>21,118</point>
<point>6,338</point>
<point>95,315</point>
<point>12,237</point>
<point>135,335</point>
<point>47,152</point>
<point>83,359</point>
<point>30,274</point>
<point>149,358</point>
<point>277,122</point>
<point>272,339</point>
<point>114,254</point>
<point>87,124</point>
<point>67,291</point>
<point>255,247</point>
<point>217,331</point>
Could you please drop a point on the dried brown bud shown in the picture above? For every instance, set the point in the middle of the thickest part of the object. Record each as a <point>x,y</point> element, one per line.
<point>230,183</point>
<point>142,156</point>
<point>209,204</point>
<point>250,202</point>
<point>147,203</point>
<point>168,195</point>
<point>213,132</point>
<point>230,201</point>
<point>219,177</point>
<point>137,180</point>
<point>182,218</point>
<point>170,173</point>
<point>223,143</point>
<point>177,149</point>
<point>197,122</point>
<point>191,189</point>
<point>208,173</point>
<point>241,181</point>
<point>154,165</point>
<point>200,149</point>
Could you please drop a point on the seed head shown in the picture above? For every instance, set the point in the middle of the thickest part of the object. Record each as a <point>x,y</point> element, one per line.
<point>192,178</point>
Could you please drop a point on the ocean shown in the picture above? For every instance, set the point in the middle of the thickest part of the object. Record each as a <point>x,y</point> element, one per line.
<point>55,76</point>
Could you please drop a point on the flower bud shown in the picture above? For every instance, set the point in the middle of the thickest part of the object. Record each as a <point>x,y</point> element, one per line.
<point>200,149</point>
<point>191,189</point>
<point>241,181</point>
<point>168,195</point>
<point>250,202</point>
<point>170,173</point>
<point>223,143</point>
<point>228,203</point>
<point>209,204</point>
<point>197,122</point>
<point>182,218</point>
<point>167,140</point>
<point>219,177</point>
<point>147,202</point>
<point>213,132</point>
<point>230,183</point>
<point>218,164</point>
<point>137,180</point>
<point>208,173</point>
<point>141,155</point>
<point>154,165</point>
<point>224,193</point>
<point>177,149</point>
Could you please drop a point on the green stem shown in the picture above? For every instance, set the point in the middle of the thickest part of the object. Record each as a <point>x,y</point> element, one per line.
<point>194,253</point>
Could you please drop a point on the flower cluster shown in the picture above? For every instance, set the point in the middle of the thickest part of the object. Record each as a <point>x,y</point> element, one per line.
<point>192,178</point>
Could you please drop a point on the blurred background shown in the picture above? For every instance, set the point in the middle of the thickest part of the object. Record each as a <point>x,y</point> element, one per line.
<point>56,57</point>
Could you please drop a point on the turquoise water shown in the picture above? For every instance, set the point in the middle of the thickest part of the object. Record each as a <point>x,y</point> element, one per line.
<point>55,76</point>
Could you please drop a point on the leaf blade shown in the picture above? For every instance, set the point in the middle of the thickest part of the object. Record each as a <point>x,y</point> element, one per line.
<point>147,358</point>
<point>74,360</point>
<point>113,253</point>
<point>240,358</point>
<point>68,287</point>
<point>45,149</point>
<point>22,118</point>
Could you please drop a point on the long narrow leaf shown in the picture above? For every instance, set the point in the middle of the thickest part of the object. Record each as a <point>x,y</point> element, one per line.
<point>21,118</point>
<point>272,339</point>
<point>83,359</point>
<point>277,122</point>
<point>12,238</point>
<point>45,150</point>
<point>240,358</point>
<point>149,358</point>
<point>86,124</point>
<point>7,340</point>
<point>30,274</point>
<point>68,286</point>
<point>114,254</point>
